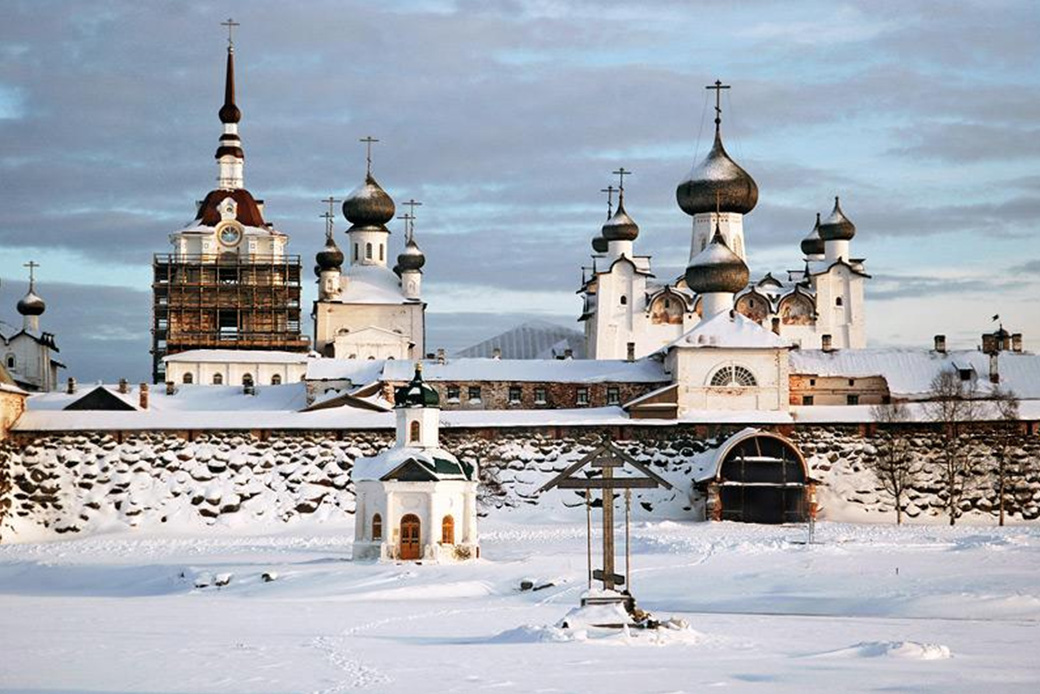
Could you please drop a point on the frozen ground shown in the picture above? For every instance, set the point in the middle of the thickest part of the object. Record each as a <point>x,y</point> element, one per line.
<point>869,608</point>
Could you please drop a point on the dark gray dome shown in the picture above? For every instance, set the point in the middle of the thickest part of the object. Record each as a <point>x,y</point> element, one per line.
<point>416,393</point>
<point>717,178</point>
<point>620,227</point>
<point>837,227</point>
<point>599,244</point>
<point>813,244</point>
<point>330,257</point>
<point>412,258</point>
<point>717,269</point>
<point>369,205</point>
<point>31,304</point>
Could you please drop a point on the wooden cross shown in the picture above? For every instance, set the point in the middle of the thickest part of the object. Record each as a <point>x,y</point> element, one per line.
<point>230,24</point>
<point>718,87</point>
<point>368,140</point>
<point>32,265</point>
<point>609,190</point>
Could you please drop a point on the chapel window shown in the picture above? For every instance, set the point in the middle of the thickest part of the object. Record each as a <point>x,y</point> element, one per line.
<point>276,380</point>
<point>730,376</point>
<point>414,431</point>
<point>377,527</point>
<point>188,378</point>
<point>218,379</point>
<point>448,530</point>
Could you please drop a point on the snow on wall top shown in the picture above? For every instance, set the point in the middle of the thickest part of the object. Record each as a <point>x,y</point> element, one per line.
<point>356,371</point>
<point>910,372</point>
<point>186,398</point>
<point>526,370</point>
<point>729,329</point>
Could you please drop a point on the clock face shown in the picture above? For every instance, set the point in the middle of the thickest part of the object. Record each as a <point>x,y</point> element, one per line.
<point>230,235</point>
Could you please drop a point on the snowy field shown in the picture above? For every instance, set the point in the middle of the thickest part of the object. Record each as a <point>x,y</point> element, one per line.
<point>868,608</point>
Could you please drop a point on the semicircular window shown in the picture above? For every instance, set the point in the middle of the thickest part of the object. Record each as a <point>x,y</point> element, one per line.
<point>733,375</point>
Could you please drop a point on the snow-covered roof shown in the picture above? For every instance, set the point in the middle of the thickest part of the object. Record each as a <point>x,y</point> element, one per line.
<point>909,372</point>
<point>11,388</point>
<point>438,463</point>
<point>234,356</point>
<point>730,330</point>
<point>371,284</point>
<point>186,398</point>
<point>527,370</point>
<point>356,371</point>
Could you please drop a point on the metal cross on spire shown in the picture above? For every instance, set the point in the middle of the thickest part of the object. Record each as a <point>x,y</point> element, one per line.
<point>330,215</point>
<point>408,219</point>
<point>609,190</point>
<point>329,224</point>
<point>368,140</point>
<point>32,265</point>
<point>230,24</point>
<point>621,173</point>
<point>718,87</point>
<point>411,204</point>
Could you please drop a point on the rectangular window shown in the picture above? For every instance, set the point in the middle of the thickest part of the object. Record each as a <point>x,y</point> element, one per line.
<point>852,399</point>
<point>613,395</point>
<point>539,396</point>
<point>812,381</point>
<point>582,396</point>
<point>514,395</point>
<point>453,393</point>
<point>227,320</point>
<point>807,399</point>
<point>852,381</point>
<point>474,393</point>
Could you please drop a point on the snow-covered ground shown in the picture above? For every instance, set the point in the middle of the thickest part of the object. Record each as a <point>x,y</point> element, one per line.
<point>868,608</point>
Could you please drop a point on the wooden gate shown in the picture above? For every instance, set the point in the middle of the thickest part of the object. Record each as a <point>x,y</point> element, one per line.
<point>410,547</point>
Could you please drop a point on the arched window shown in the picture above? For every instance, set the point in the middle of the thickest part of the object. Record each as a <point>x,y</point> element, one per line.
<point>377,527</point>
<point>414,432</point>
<point>276,380</point>
<point>368,251</point>
<point>10,361</point>
<point>624,300</point>
<point>448,530</point>
<point>188,378</point>
<point>837,301</point>
<point>247,379</point>
<point>218,379</point>
<point>355,252</point>
<point>733,376</point>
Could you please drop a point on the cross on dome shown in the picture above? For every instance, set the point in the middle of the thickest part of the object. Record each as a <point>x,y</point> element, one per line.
<point>368,140</point>
<point>718,87</point>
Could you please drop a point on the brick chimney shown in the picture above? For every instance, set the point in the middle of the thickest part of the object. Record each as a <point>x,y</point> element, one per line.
<point>568,353</point>
<point>441,357</point>
<point>1016,342</point>
<point>496,353</point>
<point>71,387</point>
<point>825,343</point>
<point>170,388</point>
<point>142,401</point>
<point>940,344</point>
<point>631,355</point>
<point>994,368</point>
<point>124,387</point>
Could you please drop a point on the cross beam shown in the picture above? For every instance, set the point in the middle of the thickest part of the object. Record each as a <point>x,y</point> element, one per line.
<point>718,87</point>
<point>230,24</point>
<point>368,140</point>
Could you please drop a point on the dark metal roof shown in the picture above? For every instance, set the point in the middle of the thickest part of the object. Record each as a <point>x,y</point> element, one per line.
<point>416,393</point>
<point>369,206</point>
<point>248,212</point>
<point>717,269</point>
<point>837,227</point>
<point>719,183</point>
<point>813,244</point>
<point>620,227</point>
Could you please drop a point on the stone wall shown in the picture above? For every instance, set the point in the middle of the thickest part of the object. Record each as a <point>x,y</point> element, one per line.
<point>89,482</point>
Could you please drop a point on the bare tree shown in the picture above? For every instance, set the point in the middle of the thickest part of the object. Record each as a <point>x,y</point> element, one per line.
<point>1008,432</point>
<point>953,405</point>
<point>894,464</point>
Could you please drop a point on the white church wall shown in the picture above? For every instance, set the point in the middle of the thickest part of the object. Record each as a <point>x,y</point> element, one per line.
<point>693,369</point>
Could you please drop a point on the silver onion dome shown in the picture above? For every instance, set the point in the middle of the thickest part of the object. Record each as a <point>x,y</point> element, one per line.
<point>837,227</point>
<point>599,244</point>
<point>719,183</point>
<point>717,269</point>
<point>330,257</point>
<point>369,205</point>
<point>813,244</point>
<point>412,258</point>
<point>620,227</point>
<point>31,304</point>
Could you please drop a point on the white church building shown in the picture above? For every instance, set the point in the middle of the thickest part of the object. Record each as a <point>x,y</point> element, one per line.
<point>28,355</point>
<point>415,501</point>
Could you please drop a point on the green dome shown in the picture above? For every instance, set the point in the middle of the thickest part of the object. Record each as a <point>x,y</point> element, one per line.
<point>416,393</point>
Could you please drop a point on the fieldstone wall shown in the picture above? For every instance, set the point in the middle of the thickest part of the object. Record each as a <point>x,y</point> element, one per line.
<point>89,482</point>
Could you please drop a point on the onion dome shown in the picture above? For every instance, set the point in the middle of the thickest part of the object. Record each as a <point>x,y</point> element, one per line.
<point>369,205</point>
<point>31,304</point>
<point>416,393</point>
<point>837,226</point>
<point>599,244</point>
<point>813,244</point>
<point>620,227</point>
<point>330,257</point>
<point>717,269</point>
<point>718,180</point>
<point>412,258</point>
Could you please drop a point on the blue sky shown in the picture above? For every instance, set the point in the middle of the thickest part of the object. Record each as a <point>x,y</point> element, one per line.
<point>505,119</point>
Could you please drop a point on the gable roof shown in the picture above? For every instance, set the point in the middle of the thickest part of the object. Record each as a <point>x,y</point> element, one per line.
<point>728,330</point>
<point>101,398</point>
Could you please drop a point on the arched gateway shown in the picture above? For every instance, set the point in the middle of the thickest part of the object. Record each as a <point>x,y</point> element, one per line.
<point>758,477</point>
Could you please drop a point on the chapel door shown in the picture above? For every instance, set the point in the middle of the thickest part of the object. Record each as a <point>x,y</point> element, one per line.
<point>410,548</point>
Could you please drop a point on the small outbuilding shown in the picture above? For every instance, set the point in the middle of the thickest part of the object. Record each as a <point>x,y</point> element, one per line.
<point>415,501</point>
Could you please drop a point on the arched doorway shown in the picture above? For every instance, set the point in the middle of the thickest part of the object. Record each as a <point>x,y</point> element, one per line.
<point>410,548</point>
<point>760,477</point>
